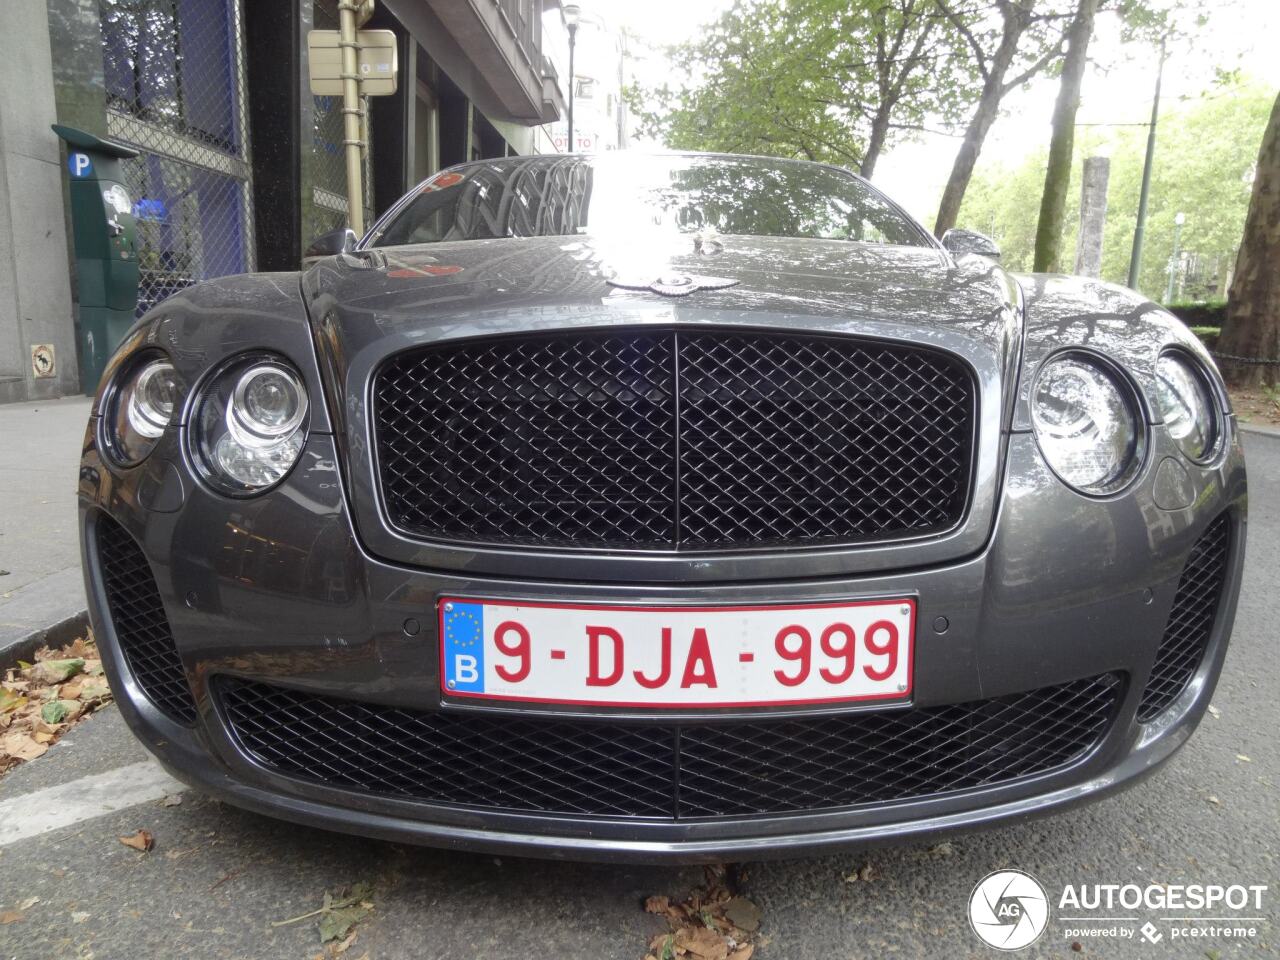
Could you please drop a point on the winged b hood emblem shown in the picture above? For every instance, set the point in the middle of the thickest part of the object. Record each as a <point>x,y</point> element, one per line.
<point>671,284</point>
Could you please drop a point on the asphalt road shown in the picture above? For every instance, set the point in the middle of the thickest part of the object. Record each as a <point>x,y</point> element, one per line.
<point>218,878</point>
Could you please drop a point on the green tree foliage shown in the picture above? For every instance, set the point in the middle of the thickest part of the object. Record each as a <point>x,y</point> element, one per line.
<point>832,80</point>
<point>1204,164</point>
<point>839,80</point>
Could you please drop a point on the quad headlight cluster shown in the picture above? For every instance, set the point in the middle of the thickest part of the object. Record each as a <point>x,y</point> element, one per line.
<point>248,423</point>
<point>1087,418</point>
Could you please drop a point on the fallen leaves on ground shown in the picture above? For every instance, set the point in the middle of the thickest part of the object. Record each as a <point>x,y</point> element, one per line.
<point>53,671</point>
<point>866,873</point>
<point>712,923</point>
<point>1256,406</point>
<point>142,840</point>
<point>19,911</point>
<point>40,701</point>
<point>340,912</point>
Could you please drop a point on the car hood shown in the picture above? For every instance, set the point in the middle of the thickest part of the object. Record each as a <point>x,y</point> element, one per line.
<point>432,291</point>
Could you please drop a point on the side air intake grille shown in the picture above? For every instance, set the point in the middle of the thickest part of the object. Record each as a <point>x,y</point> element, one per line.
<point>140,622</point>
<point>1195,608</point>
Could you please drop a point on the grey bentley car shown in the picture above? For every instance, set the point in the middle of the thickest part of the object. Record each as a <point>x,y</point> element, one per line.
<point>660,507</point>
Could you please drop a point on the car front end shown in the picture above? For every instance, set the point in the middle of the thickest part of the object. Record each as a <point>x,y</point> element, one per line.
<point>485,543</point>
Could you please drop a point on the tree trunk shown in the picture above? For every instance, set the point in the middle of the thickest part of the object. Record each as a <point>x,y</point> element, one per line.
<point>1057,178</point>
<point>1093,216</point>
<point>875,142</point>
<point>1252,327</point>
<point>1016,19</point>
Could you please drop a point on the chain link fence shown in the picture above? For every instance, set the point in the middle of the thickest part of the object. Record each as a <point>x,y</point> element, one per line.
<point>175,86</point>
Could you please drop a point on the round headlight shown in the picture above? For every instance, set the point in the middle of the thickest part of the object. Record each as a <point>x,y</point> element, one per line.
<point>1084,424</point>
<point>250,425</point>
<point>1186,405</point>
<point>142,408</point>
<point>268,404</point>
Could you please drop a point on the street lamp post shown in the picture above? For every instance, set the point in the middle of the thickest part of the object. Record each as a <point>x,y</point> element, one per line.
<point>1135,258</point>
<point>572,14</point>
<point>1178,221</point>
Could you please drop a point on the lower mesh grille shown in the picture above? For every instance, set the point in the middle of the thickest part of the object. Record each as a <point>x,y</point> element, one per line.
<point>681,771</point>
<point>141,626</point>
<point>1195,607</point>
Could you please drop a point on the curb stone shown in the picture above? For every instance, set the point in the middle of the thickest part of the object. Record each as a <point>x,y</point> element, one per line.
<point>1265,429</point>
<point>51,611</point>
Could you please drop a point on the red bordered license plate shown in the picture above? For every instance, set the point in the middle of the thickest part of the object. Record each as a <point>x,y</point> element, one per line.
<point>676,656</point>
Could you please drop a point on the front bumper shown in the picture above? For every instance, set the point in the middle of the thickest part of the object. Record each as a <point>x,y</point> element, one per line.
<point>278,590</point>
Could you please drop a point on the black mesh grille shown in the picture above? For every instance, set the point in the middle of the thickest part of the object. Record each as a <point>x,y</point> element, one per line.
<point>666,771</point>
<point>674,440</point>
<point>1195,607</point>
<point>140,623</point>
<point>601,769</point>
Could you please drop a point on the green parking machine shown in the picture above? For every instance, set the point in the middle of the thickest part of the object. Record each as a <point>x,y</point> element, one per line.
<point>106,247</point>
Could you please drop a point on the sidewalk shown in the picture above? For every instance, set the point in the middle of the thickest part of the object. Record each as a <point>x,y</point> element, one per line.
<point>41,591</point>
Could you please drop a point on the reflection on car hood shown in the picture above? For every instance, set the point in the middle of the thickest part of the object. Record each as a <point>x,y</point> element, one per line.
<point>438,283</point>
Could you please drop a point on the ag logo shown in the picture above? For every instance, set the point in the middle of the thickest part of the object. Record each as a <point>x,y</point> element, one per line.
<point>1008,910</point>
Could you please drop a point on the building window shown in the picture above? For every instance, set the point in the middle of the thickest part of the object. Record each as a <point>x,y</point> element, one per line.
<point>171,63</point>
<point>174,77</point>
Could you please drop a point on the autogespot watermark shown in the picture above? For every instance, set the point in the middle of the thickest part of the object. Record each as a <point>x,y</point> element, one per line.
<point>1010,909</point>
<point>1182,911</point>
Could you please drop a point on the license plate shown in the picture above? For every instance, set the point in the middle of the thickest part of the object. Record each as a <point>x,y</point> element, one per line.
<point>676,656</point>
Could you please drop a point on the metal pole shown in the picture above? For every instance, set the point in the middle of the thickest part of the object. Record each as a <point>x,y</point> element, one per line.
<point>573,33</point>
<point>352,115</point>
<point>1135,259</point>
<point>1173,260</point>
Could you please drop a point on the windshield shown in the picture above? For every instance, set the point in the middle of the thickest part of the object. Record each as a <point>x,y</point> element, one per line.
<point>565,196</point>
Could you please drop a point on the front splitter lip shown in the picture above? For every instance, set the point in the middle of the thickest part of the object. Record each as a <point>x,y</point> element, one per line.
<point>1134,766</point>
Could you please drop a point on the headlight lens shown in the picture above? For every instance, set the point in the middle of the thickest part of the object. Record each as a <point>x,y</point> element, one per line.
<point>142,408</point>
<point>268,405</point>
<point>1186,405</point>
<point>1084,424</point>
<point>250,425</point>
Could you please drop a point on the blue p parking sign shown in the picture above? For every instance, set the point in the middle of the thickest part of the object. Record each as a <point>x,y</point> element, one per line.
<point>79,164</point>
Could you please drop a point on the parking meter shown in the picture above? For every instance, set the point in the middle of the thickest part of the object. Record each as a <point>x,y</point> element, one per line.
<point>106,247</point>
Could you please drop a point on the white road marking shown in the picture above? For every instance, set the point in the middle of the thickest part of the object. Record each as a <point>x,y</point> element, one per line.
<point>66,804</point>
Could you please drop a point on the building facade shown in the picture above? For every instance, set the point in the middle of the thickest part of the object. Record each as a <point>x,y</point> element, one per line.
<point>239,166</point>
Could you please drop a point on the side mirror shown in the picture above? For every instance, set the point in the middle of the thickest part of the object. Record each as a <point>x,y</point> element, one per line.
<point>960,242</point>
<point>330,245</point>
